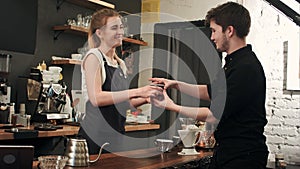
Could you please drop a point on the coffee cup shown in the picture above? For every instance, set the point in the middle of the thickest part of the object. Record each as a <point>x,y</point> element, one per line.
<point>76,56</point>
<point>163,145</point>
<point>55,69</point>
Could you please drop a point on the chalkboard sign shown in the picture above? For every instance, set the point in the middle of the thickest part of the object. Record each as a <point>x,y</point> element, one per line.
<point>18,25</point>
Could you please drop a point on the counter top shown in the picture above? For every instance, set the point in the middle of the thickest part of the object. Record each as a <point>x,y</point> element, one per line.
<point>152,160</point>
<point>65,131</point>
<point>68,130</point>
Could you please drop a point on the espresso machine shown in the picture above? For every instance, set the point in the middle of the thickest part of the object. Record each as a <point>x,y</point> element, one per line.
<point>51,102</point>
<point>4,88</point>
<point>50,95</point>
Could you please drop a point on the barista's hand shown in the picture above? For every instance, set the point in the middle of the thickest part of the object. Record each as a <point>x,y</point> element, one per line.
<point>168,83</point>
<point>163,102</point>
<point>150,91</point>
<point>148,99</point>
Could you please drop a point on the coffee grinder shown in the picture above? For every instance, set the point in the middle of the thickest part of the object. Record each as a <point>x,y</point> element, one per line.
<point>4,88</point>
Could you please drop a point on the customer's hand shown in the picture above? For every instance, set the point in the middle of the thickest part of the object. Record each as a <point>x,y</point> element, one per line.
<point>168,83</point>
<point>163,102</point>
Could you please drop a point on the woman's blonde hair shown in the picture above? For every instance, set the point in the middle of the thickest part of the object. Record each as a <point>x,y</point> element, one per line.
<point>99,19</point>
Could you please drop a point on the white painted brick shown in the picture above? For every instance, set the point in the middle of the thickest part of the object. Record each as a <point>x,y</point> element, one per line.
<point>281,103</point>
<point>268,129</point>
<point>272,148</point>
<point>269,115</point>
<point>275,106</point>
<point>290,113</point>
<point>274,121</point>
<point>284,131</point>
<point>292,122</point>
<point>294,141</point>
<point>281,113</point>
<point>295,104</point>
<point>275,140</point>
<point>275,84</point>
<point>271,105</point>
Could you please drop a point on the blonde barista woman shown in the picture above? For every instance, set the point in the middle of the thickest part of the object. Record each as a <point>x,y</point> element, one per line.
<point>105,85</point>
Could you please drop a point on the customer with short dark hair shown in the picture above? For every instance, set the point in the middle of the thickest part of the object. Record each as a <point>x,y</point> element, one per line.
<point>239,133</point>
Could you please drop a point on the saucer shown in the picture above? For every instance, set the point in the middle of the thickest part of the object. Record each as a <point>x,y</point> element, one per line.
<point>188,152</point>
<point>143,122</point>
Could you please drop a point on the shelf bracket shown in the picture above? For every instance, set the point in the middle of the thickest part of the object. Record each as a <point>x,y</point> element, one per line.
<point>59,3</point>
<point>57,33</point>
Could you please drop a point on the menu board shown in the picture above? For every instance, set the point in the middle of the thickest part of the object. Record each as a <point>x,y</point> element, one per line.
<point>18,25</point>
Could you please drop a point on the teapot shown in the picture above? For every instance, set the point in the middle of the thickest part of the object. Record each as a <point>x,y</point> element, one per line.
<point>78,153</point>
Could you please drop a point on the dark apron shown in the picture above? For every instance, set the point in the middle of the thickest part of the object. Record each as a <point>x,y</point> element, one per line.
<point>106,123</point>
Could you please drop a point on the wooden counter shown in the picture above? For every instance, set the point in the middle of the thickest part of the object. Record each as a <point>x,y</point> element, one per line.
<point>65,131</point>
<point>152,160</point>
<point>68,130</point>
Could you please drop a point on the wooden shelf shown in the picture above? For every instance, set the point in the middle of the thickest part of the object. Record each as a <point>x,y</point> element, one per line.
<point>141,127</point>
<point>138,42</point>
<point>84,31</point>
<point>66,61</point>
<point>70,28</point>
<point>92,4</point>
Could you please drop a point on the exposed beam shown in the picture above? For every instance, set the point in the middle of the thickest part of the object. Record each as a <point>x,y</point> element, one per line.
<point>289,12</point>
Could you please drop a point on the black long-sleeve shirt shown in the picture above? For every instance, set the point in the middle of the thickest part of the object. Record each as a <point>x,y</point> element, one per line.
<point>241,125</point>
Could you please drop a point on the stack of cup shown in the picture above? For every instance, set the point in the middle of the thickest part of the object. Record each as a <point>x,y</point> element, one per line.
<point>55,70</point>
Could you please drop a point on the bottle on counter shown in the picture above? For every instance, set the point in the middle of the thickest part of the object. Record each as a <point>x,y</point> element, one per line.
<point>22,117</point>
<point>68,109</point>
<point>43,65</point>
<point>11,112</point>
<point>22,109</point>
<point>39,67</point>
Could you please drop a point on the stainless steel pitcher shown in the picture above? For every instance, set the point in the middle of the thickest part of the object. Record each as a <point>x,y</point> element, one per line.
<point>78,153</point>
